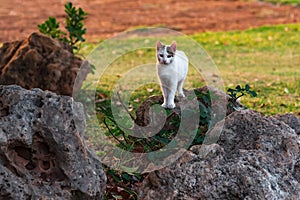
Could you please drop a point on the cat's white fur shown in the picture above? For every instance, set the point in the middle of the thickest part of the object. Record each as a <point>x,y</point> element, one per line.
<point>171,72</point>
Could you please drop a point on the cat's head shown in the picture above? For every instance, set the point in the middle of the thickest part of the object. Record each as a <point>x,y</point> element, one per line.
<point>165,53</point>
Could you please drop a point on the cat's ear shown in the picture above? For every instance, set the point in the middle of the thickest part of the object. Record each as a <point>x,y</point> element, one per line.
<point>173,46</point>
<point>158,45</point>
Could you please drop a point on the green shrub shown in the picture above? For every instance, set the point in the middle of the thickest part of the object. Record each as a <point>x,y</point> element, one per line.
<point>237,93</point>
<point>74,26</point>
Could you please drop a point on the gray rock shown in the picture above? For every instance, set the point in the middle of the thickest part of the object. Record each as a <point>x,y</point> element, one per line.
<point>42,151</point>
<point>292,120</point>
<point>256,157</point>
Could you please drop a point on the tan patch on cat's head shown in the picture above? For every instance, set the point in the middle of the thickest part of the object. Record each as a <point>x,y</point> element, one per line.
<point>170,50</point>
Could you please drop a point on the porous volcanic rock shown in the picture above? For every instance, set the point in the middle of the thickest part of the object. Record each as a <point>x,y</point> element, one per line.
<point>290,119</point>
<point>256,157</point>
<point>42,151</point>
<point>41,62</point>
<point>207,98</point>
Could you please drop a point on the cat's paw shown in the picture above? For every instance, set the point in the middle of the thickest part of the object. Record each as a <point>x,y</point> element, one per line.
<point>170,106</point>
<point>181,95</point>
<point>164,105</point>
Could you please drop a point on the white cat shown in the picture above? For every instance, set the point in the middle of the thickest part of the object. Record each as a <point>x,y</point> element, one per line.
<point>172,68</point>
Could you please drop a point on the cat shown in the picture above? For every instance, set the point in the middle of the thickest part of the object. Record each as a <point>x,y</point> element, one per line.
<point>172,68</point>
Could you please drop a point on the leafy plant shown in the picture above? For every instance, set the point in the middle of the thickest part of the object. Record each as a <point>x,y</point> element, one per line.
<point>131,143</point>
<point>237,93</point>
<point>165,135</point>
<point>121,185</point>
<point>204,101</point>
<point>74,26</point>
<point>51,27</point>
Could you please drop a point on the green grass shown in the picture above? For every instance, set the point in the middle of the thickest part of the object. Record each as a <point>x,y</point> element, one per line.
<point>268,58</point>
<point>291,2</point>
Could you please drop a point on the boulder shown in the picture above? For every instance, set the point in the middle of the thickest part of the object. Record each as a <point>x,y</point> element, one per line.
<point>41,62</point>
<point>43,154</point>
<point>256,157</point>
<point>213,104</point>
<point>221,105</point>
<point>291,120</point>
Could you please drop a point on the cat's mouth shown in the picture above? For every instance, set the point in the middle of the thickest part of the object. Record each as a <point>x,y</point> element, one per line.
<point>164,62</point>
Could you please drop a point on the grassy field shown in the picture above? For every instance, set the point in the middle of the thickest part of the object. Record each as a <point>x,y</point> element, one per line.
<point>267,58</point>
<point>291,2</point>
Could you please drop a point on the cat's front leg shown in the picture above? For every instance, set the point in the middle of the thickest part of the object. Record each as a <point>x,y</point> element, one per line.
<point>171,96</point>
<point>180,89</point>
<point>165,95</point>
<point>168,105</point>
<point>171,103</point>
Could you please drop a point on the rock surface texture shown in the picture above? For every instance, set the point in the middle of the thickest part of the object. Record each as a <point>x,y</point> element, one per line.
<point>42,151</point>
<point>256,157</point>
<point>41,62</point>
<point>291,120</point>
<point>144,117</point>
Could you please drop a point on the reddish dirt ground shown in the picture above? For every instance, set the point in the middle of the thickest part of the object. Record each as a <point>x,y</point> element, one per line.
<point>108,17</point>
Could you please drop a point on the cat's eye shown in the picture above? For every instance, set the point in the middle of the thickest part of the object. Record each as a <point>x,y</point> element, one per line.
<point>169,56</point>
<point>161,55</point>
